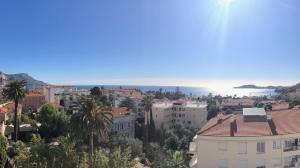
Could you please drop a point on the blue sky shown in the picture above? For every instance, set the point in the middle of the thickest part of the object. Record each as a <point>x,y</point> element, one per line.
<point>126,42</point>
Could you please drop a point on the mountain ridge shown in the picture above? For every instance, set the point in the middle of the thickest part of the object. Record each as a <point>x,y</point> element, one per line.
<point>31,82</point>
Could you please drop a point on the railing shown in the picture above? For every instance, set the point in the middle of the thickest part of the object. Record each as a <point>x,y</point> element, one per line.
<point>292,148</point>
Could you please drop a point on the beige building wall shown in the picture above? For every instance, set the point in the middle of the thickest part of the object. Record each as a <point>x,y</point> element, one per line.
<point>186,115</point>
<point>2,128</point>
<point>225,152</point>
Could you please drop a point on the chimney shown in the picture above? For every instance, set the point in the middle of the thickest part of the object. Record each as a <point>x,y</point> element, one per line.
<point>272,125</point>
<point>233,126</point>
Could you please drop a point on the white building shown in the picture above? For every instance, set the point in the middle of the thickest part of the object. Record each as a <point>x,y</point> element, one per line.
<point>3,80</point>
<point>49,92</point>
<point>254,139</point>
<point>67,98</point>
<point>189,114</point>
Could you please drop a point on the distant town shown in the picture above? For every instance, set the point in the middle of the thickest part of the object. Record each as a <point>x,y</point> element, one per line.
<point>148,129</point>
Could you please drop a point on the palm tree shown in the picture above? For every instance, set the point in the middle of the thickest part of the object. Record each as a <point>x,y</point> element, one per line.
<point>90,120</point>
<point>176,160</point>
<point>16,92</point>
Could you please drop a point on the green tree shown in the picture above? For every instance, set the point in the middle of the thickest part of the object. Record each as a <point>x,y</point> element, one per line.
<point>3,154</point>
<point>176,160</point>
<point>91,120</point>
<point>152,131</point>
<point>82,160</point>
<point>172,142</point>
<point>63,154</point>
<point>155,156</point>
<point>147,103</point>
<point>129,103</point>
<point>16,92</point>
<point>96,91</point>
<point>212,109</point>
<point>134,144</point>
<point>53,122</point>
<point>101,159</point>
<point>39,153</point>
<point>21,155</point>
<point>119,159</point>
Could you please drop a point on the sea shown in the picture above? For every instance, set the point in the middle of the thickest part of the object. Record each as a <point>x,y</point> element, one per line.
<point>193,91</point>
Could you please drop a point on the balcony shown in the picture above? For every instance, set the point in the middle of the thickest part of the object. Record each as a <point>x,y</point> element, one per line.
<point>291,148</point>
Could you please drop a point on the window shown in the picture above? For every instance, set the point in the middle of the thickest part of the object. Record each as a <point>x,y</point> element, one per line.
<point>261,147</point>
<point>276,145</point>
<point>288,161</point>
<point>291,144</point>
<point>261,163</point>
<point>243,164</point>
<point>222,146</point>
<point>242,148</point>
<point>288,144</point>
<point>276,162</point>
<point>189,122</point>
<point>223,164</point>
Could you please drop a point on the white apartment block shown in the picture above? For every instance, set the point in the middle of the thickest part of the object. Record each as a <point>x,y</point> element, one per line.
<point>189,114</point>
<point>3,80</point>
<point>50,91</point>
<point>254,139</point>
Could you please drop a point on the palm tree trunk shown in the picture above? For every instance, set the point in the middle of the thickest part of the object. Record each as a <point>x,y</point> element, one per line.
<point>146,133</point>
<point>91,153</point>
<point>15,121</point>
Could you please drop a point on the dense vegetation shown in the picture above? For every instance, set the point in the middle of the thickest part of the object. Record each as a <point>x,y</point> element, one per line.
<point>80,138</point>
<point>160,94</point>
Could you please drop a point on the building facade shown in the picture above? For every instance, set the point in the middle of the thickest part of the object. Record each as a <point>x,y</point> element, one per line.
<point>236,105</point>
<point>259,140</point>
<point>33,101</point>
<point>3,80</point>
<point>123,122</point>
<point>49,91</point>
<point>188,114</point>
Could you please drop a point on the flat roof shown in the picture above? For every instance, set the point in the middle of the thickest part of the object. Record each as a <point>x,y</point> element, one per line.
<point>169,104</point>
<point>254,112</point>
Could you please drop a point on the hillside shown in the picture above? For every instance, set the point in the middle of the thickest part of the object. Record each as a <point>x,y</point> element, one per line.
<point>30,81</point>
<point>251,86</point>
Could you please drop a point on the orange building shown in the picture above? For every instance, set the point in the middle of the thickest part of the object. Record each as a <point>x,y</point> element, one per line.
<point>33,101</point>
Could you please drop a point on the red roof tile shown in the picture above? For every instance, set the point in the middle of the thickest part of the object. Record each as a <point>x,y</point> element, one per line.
<point>285,122</point>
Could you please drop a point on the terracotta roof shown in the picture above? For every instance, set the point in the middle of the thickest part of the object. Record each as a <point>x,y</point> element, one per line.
<point>283,122</point>
<point>280,106</point>
<point>34,94</point>
<point>7,108</point>
<point>56,105</point>
<point>120,111</point>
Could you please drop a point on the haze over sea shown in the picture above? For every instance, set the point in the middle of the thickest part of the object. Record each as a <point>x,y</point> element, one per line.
<point>193,91</point>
